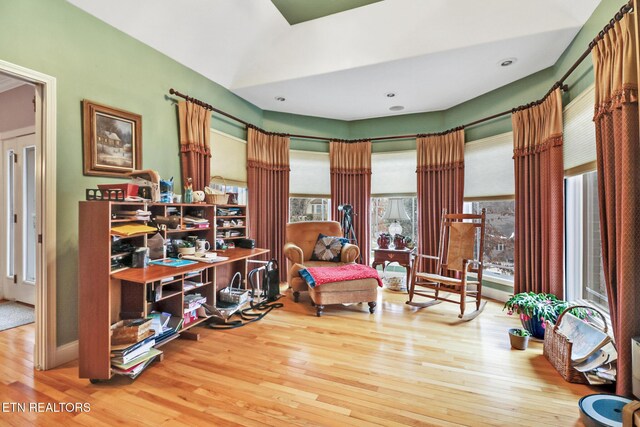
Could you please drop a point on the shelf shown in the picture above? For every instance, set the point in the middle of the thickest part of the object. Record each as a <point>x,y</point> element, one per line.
<point>168,294</point>
<point>168,340</point>
<point>231,216</point>
<point>185,230</point>
<point>232,238</point>
<point>195,323</point>
<point>132,236</point>
<point>231,227</point>
<point>129,220</point>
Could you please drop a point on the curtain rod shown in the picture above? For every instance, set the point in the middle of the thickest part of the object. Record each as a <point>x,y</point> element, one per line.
<point>628,7</point>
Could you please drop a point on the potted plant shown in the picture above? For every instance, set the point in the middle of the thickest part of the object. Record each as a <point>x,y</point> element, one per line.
<point>519,338</point>
<point>535,309</point>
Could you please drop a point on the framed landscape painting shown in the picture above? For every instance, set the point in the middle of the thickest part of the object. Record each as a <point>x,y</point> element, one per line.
<point>112,140</point>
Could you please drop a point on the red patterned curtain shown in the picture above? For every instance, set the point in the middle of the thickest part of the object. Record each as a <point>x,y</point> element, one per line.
<point>195,147</point>
<point>618,153</point>
<point>268,188</point>
<point>351,184</point>
<point>539,174</point>
<point>440,186</point>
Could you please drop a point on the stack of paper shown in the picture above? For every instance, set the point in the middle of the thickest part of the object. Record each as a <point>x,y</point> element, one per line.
<point>593,352</point>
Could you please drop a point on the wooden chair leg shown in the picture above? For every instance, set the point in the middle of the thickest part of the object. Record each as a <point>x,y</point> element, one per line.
<point>372,306</point>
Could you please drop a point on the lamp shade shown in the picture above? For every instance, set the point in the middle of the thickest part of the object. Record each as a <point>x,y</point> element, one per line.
<point>395,211</point>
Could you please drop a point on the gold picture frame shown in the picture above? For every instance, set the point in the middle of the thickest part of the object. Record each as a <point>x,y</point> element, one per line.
<point>112,140</point>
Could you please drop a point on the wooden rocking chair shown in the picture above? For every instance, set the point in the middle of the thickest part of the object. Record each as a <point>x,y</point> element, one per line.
<point>459,234</point>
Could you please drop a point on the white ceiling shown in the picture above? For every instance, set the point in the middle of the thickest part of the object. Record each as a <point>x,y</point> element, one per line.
<point>434,54</point>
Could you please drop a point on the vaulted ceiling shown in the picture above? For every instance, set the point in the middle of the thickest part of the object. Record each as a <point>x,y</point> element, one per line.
<point>341,63</point>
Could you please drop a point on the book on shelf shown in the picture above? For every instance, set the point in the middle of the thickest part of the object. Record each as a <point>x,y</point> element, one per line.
<point>188,219</point>
<point>140,359</point>
<point>131,229</point>
<point>123,349</point>
<point>131,355</point>
<point>135,367</point>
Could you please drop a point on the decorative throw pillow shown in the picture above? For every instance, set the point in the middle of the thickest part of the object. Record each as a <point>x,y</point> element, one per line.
<point>328,248</point>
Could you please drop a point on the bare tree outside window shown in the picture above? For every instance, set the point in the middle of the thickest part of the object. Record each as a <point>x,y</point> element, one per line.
<point>499,237</point>
<point>308,209</point>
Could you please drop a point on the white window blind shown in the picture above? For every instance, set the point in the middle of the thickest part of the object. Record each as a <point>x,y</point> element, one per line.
<point>394,173</point>
<point>228,157</point>
<point>488,167</point>
<point>310,173</point>
<point>579,130</point>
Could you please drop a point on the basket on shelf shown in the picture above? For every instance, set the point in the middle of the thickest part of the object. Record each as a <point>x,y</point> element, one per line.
<point>234,295</point>
<point>215,197</point>
<point>557,347</point>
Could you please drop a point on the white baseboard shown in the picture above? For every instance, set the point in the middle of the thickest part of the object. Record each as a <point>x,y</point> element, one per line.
<point>495,294</point>
<point>66,353</point>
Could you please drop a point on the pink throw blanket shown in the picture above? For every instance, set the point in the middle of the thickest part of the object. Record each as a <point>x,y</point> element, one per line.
<point>316,276</point>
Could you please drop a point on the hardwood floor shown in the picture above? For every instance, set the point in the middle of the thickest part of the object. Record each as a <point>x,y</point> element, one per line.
<point>399,366</point>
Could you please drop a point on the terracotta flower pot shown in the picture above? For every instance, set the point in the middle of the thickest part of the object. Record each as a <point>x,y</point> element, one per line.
<point>518,342</point>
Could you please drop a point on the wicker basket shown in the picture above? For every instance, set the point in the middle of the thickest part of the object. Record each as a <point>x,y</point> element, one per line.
<point>557,347</point>
<point>217,199</point>
<point>234,295</point>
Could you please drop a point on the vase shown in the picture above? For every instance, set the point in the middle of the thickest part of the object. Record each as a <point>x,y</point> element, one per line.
<point>384,241</point>
<point>518,342</point>
<point>398,242</point>
<point>533,324</point>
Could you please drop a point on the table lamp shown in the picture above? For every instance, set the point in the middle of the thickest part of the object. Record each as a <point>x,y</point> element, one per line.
<point>395,212</point>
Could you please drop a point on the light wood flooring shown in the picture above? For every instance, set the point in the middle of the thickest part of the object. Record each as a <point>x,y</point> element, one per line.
<point>399,366</point>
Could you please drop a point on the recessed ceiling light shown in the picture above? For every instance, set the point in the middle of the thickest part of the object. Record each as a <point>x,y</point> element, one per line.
<point>396,108</point>
<point>280,99</point>
<point>507,61</point>
<point>391,95</point>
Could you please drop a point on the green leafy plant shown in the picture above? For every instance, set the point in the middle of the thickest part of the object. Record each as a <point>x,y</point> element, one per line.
<point>520,332</point>
<point>540,307</point>
<point>186,244</point>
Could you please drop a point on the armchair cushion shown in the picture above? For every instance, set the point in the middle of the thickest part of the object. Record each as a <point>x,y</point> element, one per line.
<point>328,248</point>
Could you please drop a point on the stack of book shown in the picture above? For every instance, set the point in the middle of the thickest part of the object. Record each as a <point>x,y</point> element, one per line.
<point>131,359</point>
<point>195,222</point>
<point>138,215</point>
<point>165,326</point>
<point>228,211</point>
<point>593,352</point>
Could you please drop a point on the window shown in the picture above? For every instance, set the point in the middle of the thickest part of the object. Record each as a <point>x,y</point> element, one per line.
<point>309,209</point>
<point>499,237</point>
<point>379,224</point>
<point>584,271</point>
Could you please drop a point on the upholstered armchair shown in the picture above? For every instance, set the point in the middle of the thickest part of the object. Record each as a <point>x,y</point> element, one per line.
<point>301,237</point>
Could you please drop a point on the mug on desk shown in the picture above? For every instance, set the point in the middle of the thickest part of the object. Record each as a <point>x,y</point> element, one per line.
<point>202,245</point>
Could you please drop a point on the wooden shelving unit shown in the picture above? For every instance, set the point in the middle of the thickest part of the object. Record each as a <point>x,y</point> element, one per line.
<point>225,229</point>
<point>106,297</point>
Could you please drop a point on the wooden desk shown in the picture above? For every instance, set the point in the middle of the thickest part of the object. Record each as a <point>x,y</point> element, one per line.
<point>127,296</point>
<point>385,257</point>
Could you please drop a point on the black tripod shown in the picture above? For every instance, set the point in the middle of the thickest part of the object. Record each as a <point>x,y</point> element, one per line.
<point>347,225</point>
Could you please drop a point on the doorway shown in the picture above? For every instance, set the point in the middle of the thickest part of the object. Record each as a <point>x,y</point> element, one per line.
<point>33,176</point>
<point>18,213</point>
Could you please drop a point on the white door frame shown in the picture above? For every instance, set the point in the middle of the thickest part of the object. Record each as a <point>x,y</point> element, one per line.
<point>45,341</point>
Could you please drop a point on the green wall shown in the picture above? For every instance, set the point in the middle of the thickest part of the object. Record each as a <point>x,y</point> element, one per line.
<point>92,60</point>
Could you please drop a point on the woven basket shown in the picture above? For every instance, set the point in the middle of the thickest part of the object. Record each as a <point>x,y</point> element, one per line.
<point>557,347</point>
<point>234,295</point>
<point>217,199</point>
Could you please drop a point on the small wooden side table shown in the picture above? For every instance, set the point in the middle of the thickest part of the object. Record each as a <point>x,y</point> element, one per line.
<point>385,257</point>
